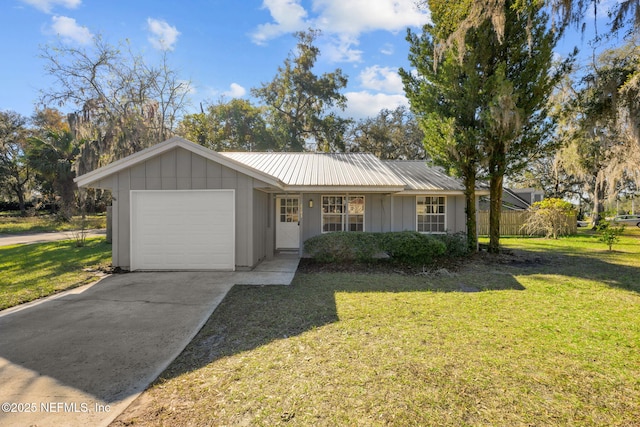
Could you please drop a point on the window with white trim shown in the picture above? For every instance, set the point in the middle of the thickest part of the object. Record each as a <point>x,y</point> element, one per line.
<point>431,214</point>
<point>342,213</point>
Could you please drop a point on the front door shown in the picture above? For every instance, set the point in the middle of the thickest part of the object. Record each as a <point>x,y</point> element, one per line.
<point>287,223</point>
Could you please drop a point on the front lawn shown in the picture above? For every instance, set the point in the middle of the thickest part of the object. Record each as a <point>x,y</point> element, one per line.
<point>548,335</point>
<point>45,223</point>
<point>28,272</point>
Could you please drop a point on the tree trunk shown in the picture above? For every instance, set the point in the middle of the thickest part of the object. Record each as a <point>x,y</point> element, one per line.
<point>470,210</point>
<point>18,188</point>
<point>68,198</point>
<point>598,203</point>
<point>495,211</point>
<point>497,167</point>
<point>21,203</point>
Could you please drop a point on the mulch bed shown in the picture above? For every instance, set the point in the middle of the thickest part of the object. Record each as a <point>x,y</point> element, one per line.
<point>308,265</point>
<point>383,266</point>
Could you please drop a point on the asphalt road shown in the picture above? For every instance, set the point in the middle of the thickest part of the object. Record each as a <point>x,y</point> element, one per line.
<point>26,238</point>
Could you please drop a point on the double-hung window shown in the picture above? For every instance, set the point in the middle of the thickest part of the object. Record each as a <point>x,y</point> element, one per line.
<point>342,213</point>
<point>431,214</point>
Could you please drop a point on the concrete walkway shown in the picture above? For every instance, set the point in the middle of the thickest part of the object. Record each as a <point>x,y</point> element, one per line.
<point>80,358</point>
<point>25,238</point>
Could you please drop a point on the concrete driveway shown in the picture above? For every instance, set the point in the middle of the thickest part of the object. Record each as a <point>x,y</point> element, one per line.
<point>82,357</point>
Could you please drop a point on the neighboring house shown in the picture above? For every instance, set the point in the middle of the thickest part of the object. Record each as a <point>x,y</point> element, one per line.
<point>515,199</point>
<point>529,195</point>
<point>180,206</point>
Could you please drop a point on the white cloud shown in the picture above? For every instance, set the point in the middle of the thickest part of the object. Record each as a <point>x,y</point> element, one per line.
<point>382,79</point>
<point>382,89</point>
<point>69,30</point>
<point>366,104</point>
<point>387,49</point>
<point>235,91</point>
<point>163,36</point>
<point>47,5</point>
<point>358,16</point>
<point>288,16</point>
<point>343,20</point>
<point>341,49</point>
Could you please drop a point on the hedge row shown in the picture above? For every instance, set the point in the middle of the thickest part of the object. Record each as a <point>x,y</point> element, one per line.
<point>407,247</point>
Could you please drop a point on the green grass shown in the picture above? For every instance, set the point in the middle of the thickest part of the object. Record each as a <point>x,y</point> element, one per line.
<point>28,272</point>
<point>45,223</point>
<point>552,339</point>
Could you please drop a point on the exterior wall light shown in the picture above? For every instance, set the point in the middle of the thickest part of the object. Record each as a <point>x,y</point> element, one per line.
<point>310,203</point>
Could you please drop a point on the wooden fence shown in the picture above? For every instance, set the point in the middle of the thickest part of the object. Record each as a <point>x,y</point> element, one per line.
<point>511,223</point>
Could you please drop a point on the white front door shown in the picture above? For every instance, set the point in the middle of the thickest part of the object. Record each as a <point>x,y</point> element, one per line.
<point>287,222</point>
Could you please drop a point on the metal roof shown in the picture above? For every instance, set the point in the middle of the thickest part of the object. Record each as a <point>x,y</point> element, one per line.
<point>322,169</point>
<point>419,176</point>
<point>304,171</point>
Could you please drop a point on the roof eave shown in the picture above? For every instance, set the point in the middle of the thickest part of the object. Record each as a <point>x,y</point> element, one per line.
<point>445,192</point>
<point>343,189</point>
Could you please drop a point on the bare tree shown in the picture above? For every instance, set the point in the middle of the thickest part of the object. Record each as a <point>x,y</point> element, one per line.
<point>120,103</point>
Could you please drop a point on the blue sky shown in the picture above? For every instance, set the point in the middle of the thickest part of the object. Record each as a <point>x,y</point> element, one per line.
<point>223,47</point>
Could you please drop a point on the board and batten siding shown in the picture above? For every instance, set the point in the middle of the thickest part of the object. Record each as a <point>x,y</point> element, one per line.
<point>404,213</point>
<point>377,213</point>
<point>261,227</point>
<point>311,217</point>
<point>383,213</point>
<point>181,169</point>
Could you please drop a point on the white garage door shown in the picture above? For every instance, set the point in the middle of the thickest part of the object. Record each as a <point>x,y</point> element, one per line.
<point>183,230</point>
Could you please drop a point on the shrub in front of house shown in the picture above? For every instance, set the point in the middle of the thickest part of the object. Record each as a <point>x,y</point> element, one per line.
<point>343,247</point>
<point>455,243</point>
<point>405,247</point>
<point>411,247</point>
